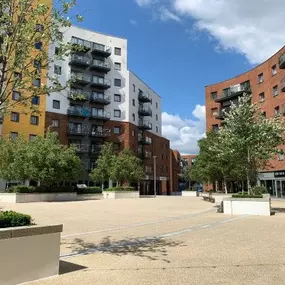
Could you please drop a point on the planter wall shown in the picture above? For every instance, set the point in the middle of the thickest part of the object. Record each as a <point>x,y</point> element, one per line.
<point>29,253</point>
<point>83,197</point>
<point>189,193</point>
<point>247,206</point>
<point>37,197</point>
<point>120,194</point>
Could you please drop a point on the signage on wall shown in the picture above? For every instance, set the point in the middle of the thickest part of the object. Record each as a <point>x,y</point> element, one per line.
<point>279,173</point>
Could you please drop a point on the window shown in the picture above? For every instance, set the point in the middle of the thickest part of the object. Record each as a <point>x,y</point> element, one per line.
<point>118,51</point>
<point>56,50</point>
<point>56,104</point>
<point>118,65</point>
<point>57,69</point>
<point>156,105</point>
<point>38,45</point>
<point>32,137</point>
<point>133,133</point>
<point>37,82</point>
<point>214,112</point>
<point>277,111</point>
<point>59,36</point>
<point>263,114</point>
<point>214,95</point>
<point>34,120</point>
<point>117,98</point>
<point>38,64</point>
<point>55,123</point>
<point>134,88</point>
<point>39,28</point>
<point>116,146</point>
<point>36,100</point>
<point>118,82</point>
<point>116,130</point>
<point>156,129</point>
<point>280,156</point>
<point>117,113</point>
<point>134,102</point>
<point>16,95</point>
<point>275,90</point>
<point>134,117</point>
<point>274,69</point>
<point>13,135</point>
<point>215,128</point>
<point>261,97</point>
<point>260,78</point>
<point>18,76</point>
<point>156,116</point>
<point>15,117</point>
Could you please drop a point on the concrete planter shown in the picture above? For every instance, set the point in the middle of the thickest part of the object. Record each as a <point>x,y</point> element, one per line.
<point>121,194</point>
<point>37,197</point>
<point>29,253</point>
<point>189,194</point>
<point>83,197</point>
<point>247,206</point>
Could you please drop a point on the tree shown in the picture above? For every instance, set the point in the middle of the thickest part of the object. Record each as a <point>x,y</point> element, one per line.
<point>44,160</point>
<point>27,28</point>
<point>250,138</point>
<point>104,165</point>
<point>127,167</point>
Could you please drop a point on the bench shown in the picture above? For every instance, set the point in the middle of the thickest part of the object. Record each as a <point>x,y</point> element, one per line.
<point>208,198</point>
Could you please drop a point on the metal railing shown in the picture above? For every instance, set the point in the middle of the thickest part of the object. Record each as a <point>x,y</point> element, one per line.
<point>81,147</point>
<point>96,148</point>
<point>236,89</point>
<point>101,48</point>
<point>79,77</point>
<point>99,97</point>
<point>100,81</point>
<point>78,95</point>
<point>79,59</point>
<point>145,110</point>
<point>282,60</point>
<point>80,42</point>
<point>100,133</point>
<point>145,124</point>
<point>100,114</point>
<point>81,112</point>
<point>101,64</point>
<point>144,97</point>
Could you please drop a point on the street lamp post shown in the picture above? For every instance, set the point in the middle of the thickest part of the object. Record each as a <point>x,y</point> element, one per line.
<point>154,175</point>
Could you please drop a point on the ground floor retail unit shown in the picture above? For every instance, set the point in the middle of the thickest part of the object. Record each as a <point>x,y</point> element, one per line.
<point>274,182</point>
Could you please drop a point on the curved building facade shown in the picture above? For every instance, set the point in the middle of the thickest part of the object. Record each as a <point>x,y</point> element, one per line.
<point>266,83</point>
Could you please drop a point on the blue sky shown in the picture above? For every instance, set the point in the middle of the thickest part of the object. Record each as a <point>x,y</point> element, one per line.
<point>178,47</point>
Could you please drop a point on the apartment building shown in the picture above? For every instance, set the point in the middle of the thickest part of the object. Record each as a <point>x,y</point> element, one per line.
<point>266,84</point>
<point>105,102</point>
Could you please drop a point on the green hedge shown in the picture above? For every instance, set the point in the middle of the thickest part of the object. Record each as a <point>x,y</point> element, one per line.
<point>89,190</point>
<point>258,190</point>
<point>40,189</point>
<point>14,219</point>
<point>122,189</point>
<point>246,196</point>
<point>189,190</point>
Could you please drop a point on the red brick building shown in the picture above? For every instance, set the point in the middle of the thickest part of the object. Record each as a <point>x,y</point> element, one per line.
<point>266,84</point>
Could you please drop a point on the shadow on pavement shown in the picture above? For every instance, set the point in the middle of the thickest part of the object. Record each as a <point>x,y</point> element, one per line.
<point>67,267</point>
<point>277,210</point>
<point>150,248</point>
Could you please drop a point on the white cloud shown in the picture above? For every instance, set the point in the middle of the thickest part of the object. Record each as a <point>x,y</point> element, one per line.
<point>133,22</point>
<point>253,28</point>
<point>165,14</point>
<point>144,2</point>
<point>184,133</point>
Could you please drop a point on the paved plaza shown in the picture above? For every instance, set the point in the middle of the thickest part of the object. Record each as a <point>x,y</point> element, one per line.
<point>163,240</point>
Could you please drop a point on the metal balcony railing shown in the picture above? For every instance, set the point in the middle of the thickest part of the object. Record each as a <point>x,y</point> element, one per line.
<point>145,140</point>
<point>100,65</point>
<point>102,115</point>
<point>76,131</point>
<point>100,98</point>
<point>100,82</point>
<point>145,111</point>
<point>80,44</point>
<point>99,133</point>
<point>79,112</point>
<point>282,61</point>
<point>96,148</point>
<point>144,97</point>
<point>145,124</point>
<point>79,60</point>
<point>80,78</point>
<point>81,148</point>
<point>78,95</point>
<point>101,49</point>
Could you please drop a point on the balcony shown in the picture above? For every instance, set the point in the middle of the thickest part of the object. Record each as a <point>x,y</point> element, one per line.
<point>95,148</point>
<point>78,95</point>
<point>145,140</point>
<point>79,61</point>
<point>145,111</point>
<point>282,85</point>
<point>102,50</point>
<point>220,114</point>
<point>145,125</point>
<point>100,82</point>
<point>99,98</point>
<point>78,112</point>
<point>80,45</point>
<point>100,65</point>
<point>80,79</point>
<point>144,97</point>
<point>73,131</point>
<point>234,91</point>
<point>282,61</point>
<point>97,133</point>
<point>81,148</point>
<point>100,115</point>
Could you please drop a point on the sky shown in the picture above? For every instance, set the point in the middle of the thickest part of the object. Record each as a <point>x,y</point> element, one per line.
<point>179,46</point>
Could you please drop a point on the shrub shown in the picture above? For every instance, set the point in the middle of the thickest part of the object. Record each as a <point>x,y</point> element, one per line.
<point>190,189</point>
<point>14,219</point>
<point>21,189</point>
<point>122,189</point>
<point>258,190</point>
<point>89,190</point>
<point>239,195</point>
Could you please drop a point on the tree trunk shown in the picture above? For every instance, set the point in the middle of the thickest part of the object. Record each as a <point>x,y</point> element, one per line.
<point>225,187</point>
<point>247,173</point>
<point>102,186</point>
<point>242,187</point>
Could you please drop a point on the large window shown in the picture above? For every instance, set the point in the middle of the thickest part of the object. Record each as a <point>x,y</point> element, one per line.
<point>117,98</point>
<point>118,51</point>
<point>214,95</point>
<point>275,90</point>
<point>117,113</point>
<point>118,82</point>
<point>16,95</point>
<point>34,120</point>
<point>56,104</point>
<point>36,100</point>
<point>15,117</point>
